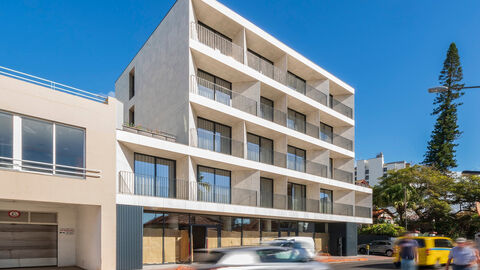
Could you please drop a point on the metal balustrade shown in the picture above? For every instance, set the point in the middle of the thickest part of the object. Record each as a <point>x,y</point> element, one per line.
<point>47,168</point>
<point>165,187</point>
<point>212,141</point>
<point>52,85</point>
<point>342,142</point>
<point>217,42</point>
<point>362,211</point>
<point>338,106</point>
<point>343,176</point>
<point>342,209</point>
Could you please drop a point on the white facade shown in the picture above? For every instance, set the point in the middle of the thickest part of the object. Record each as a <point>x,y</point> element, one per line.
<point>372,169</point>
<point>205,65</point>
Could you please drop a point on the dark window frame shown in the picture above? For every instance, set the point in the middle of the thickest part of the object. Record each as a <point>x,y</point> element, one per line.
<point>295,120</point>
<point>267,100</point>
<point>303,91</point>
<point>261,194</point>
<point>214,133</point>
<point>215,178</point>
<point>303,189</point>
<point>260,138</point>
<point>214,31</point>
<point>131,83</point>
<point>260,56</point>
<point>135,154</point>
<point>296,156</point>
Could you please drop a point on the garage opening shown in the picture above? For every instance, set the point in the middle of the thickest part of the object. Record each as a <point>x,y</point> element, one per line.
<point>28,239</point>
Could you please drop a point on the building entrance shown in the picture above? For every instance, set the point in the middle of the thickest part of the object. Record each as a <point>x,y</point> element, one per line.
<point>204,236</point>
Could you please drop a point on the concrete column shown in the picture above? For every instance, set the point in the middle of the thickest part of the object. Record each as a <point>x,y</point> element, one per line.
<point>321,85</point>
<point>282,62</point>
<point>318,158</point>
<point>280,188</point>
<point>313,197</point>
<point>241,40</point>
<point>239,137</point>
<point>245,187</point>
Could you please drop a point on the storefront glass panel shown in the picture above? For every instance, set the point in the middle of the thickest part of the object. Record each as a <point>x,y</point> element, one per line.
<point>251,231</point>
<point>177,238</point>
<point>152,237</point>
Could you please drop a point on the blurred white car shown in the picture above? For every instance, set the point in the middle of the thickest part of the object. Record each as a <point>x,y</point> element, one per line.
<point>263,257</point>
<point>296,242</point>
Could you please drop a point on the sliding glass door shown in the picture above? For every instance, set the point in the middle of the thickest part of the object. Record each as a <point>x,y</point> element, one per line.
<point>154,176</point>
<point>213,185</point>
<point>214,136</point>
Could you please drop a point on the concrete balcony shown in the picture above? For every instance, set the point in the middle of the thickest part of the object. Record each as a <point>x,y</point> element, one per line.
<point>204,88</point>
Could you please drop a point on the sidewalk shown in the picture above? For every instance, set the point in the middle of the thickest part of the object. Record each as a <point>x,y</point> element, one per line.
<point>358,258</point>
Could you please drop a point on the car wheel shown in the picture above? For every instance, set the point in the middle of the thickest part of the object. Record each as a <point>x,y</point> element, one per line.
<point>389,253</point>
<point>363,251</point>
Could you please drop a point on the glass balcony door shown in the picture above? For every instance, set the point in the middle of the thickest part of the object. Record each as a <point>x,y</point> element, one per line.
<point>296,83</point>
<point>214,136</point>
<point>296,197</point>
<point>259,149</point>
<point>326,201</point>
<point>6,139</point>
<point>296,121</point>
<point>154,176</point>
<point>296,158</point>
<point>326,132</point>
<point>213,87</point>
<point>266,108</point>
<point>213,185</point>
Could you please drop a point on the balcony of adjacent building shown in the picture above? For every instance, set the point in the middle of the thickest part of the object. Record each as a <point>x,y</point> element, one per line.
<point>273,64</point>
<point>263,105</point>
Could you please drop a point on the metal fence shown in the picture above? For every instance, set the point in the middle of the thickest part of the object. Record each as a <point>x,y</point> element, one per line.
<point>342,209</point>
<point>217,42</point>
<point>341,108</point>
<point>343,176</point>
<point>209,140</point>
<point>52,85</point>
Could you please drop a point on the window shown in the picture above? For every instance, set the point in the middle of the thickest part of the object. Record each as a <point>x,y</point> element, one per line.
<point>367,177</point>
<point>296,83</point>
<point>260,63</point>
<point>296,158</point>
<point>330,99</point>
<point>131,116</point>
<point>214,136</point>
<point>69,149</point>
<point>443,243</point>
<point>266,192</point>
<point>131,84</point>
<point>330,167</point>
<point>37,145</point>
<point>367,171</point>
<point>326,201</point>
<point>259,149</point>
<point>213,87</point>
<point>326,132</point>
<point>213,185</point>
<point>154,176</point>
<point>266,108</point>
<point>296,121</point>
<point>296,197</point>
<point>6,139</point>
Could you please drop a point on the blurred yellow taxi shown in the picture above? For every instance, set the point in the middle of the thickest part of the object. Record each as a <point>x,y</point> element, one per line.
<point>432,250</point>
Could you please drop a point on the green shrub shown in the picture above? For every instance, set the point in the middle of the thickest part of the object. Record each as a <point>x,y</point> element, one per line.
<point>393,230</point>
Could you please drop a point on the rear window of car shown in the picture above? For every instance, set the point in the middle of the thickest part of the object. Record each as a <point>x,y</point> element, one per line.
<point>443,243</point>
<point>278,255</point>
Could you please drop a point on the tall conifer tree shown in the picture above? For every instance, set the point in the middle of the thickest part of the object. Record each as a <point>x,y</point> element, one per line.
<point>441,147</point>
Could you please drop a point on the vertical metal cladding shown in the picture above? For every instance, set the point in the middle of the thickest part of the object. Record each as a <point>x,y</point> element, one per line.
<point>129,237</point>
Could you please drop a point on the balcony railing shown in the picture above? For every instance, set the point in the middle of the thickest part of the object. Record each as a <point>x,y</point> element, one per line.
<point>165,187</point>
<point>343,176</point>
<point>226,47</point>
<point>341,108</point>
<point>361,211</point>
<point>233,99</point>
<point>210,141</point>
<point>52,85</point>
<point>216,41</point>
<point>47,168</point>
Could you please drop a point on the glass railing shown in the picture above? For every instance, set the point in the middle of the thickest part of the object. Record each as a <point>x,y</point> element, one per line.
<point>343,176</point>
<point>209,140</point>
<point>338,106</point>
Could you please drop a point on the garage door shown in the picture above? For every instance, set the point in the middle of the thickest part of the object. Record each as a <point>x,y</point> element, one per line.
<point>24,245</point>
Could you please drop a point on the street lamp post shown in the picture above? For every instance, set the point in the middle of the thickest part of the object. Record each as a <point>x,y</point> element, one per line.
<point>439,89</point>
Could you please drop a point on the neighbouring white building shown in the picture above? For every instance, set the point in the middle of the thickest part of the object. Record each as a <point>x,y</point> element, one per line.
<point>372,169</point>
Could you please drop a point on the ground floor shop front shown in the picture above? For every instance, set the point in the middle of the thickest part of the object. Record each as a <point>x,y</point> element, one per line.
<point>158,237</point>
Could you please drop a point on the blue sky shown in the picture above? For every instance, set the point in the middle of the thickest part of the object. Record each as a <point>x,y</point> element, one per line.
<point>389,51</point>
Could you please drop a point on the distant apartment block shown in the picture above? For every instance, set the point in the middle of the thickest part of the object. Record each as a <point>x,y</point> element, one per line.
<point>372,169</point>
<point>231,138</point>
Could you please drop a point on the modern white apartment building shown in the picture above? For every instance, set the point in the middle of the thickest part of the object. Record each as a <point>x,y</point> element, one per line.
<point>231,138</point>
<point>372,169</point>
<point>57,174</point>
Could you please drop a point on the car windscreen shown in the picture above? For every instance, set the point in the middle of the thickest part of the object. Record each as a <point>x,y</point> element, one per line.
<point>280,255</point>
<point>207,257</point>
